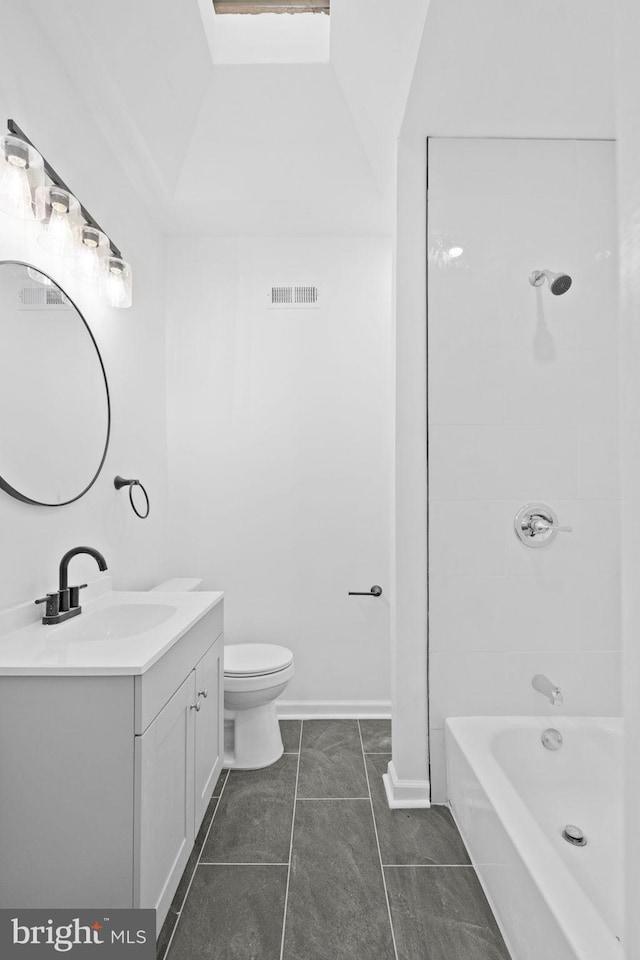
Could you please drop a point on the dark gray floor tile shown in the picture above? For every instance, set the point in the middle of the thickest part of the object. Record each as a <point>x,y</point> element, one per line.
<point>217,790</point>
<point>441,913</point>
<point>165,934</point>
<point>413,836</point>
<point>337,907</point>
<point>376,736</point>
<point>185,880</point>
<point>331,762</point>
<point>290,730</point>
<point>253,823</point>
<point>232,913</point>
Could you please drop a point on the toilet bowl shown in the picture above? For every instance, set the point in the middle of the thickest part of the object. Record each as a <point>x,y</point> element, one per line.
<point>254,675</point>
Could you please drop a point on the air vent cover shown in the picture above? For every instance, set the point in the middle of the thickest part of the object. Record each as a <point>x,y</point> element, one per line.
<point>294,296</point>
<point>42,298</point>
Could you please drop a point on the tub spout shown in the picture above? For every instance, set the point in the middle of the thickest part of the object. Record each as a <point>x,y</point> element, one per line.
<point>549,690</point>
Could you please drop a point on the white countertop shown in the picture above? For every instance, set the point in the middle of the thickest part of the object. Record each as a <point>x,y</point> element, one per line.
<point>68,649</point>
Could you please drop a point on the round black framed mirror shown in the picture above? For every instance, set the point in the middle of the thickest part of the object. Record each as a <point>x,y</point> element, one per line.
<point>55,410</point>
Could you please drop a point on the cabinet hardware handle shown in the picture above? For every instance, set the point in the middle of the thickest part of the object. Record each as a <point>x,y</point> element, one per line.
<point>196,706</point>
<point>203,693</point>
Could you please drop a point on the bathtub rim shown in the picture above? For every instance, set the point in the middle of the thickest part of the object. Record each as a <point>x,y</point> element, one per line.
<point>551,876</point>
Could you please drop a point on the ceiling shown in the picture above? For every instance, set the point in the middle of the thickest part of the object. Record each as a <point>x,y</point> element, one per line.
<point>246,149</point>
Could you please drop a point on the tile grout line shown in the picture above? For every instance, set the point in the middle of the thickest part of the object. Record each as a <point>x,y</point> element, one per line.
<point>375,830</point>
<point>293,823</point>
<point>427,866</point>
<point>204,842</point>
<point>243,863</point>
<point>304,799</point>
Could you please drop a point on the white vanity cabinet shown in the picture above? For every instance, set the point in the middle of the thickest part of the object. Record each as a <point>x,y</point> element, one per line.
<point>105,778</point>
<point>177,762</point>
<point>209,736</point>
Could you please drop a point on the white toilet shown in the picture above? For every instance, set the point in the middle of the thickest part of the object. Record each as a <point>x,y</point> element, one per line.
<point>254,675</point>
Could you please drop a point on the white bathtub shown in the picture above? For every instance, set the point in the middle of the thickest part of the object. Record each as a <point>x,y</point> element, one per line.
<point>512,798</point>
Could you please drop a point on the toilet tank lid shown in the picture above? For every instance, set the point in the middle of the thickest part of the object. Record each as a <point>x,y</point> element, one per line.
<point>180,585</point>
<point>247,659</point>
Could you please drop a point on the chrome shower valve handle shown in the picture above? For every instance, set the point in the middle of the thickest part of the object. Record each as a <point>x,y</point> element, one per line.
<point>539,525</point>
<point>536,525</point>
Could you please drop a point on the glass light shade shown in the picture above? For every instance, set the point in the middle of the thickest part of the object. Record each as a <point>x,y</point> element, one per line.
<point>39,277</point>
<point>59,212</point>
<point>118,282</point>
<point>92,254</point>
<point>21,176</point>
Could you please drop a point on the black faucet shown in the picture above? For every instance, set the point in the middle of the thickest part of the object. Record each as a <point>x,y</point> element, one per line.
<point>66,603</point>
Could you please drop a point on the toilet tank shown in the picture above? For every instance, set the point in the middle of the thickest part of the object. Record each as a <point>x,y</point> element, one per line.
<point>180,585</point>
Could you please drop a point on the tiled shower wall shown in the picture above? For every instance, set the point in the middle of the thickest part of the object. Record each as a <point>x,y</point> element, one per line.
<point>523,406</point>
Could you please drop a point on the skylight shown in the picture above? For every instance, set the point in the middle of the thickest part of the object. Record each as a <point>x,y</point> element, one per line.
<point>274,6</point>
<point>270,38</point>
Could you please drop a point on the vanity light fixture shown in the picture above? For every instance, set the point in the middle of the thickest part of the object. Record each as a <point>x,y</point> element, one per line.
<point>59,212</point>
<point>39,277</point>
<point>68,227</point>
<point>92,253</point>
<point>21,174</point>
<point>118,282</point>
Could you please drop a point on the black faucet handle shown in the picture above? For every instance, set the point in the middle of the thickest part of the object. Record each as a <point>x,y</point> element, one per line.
<point>52,601</point>
<point>74,595</point>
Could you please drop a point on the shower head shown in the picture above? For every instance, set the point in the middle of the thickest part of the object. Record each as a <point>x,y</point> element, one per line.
<point>559,283</point>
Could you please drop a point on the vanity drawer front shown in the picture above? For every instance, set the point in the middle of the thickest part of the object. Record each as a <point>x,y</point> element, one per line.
<point>156,687</point>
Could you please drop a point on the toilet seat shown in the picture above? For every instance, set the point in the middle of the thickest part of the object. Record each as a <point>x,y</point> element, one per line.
<point>255,659</point>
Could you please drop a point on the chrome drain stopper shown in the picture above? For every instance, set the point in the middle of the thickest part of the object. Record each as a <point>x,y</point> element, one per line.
<point>574,835</point>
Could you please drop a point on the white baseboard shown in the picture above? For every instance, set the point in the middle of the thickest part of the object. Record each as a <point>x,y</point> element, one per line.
<point>408,794</point>
<point>333,709</point>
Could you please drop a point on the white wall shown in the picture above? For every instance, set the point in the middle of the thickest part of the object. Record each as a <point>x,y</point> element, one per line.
<point>142,69</point>
<point>269,38</point>
<point>628,152</point>
<point>490,69</point>
<point>52,112</point>
<point>279,425</point>
<point>501,68</point>
<point>523,406</point>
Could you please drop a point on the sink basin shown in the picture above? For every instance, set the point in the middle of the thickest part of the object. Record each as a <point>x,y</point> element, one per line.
<point>119,633</point>
<point>118,621</point>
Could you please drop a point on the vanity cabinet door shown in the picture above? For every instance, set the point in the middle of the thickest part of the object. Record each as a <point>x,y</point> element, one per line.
<point>209,727</point>
<point>164,801</point>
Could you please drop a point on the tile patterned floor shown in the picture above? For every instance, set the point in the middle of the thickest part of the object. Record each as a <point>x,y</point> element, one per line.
<point>305,861</point>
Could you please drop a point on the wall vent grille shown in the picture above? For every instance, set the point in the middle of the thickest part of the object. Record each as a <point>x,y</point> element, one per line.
<point>294,296</point>
<point>42,298</point>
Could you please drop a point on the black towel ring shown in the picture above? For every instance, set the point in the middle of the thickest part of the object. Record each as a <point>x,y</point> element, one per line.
<point>120,482</point>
